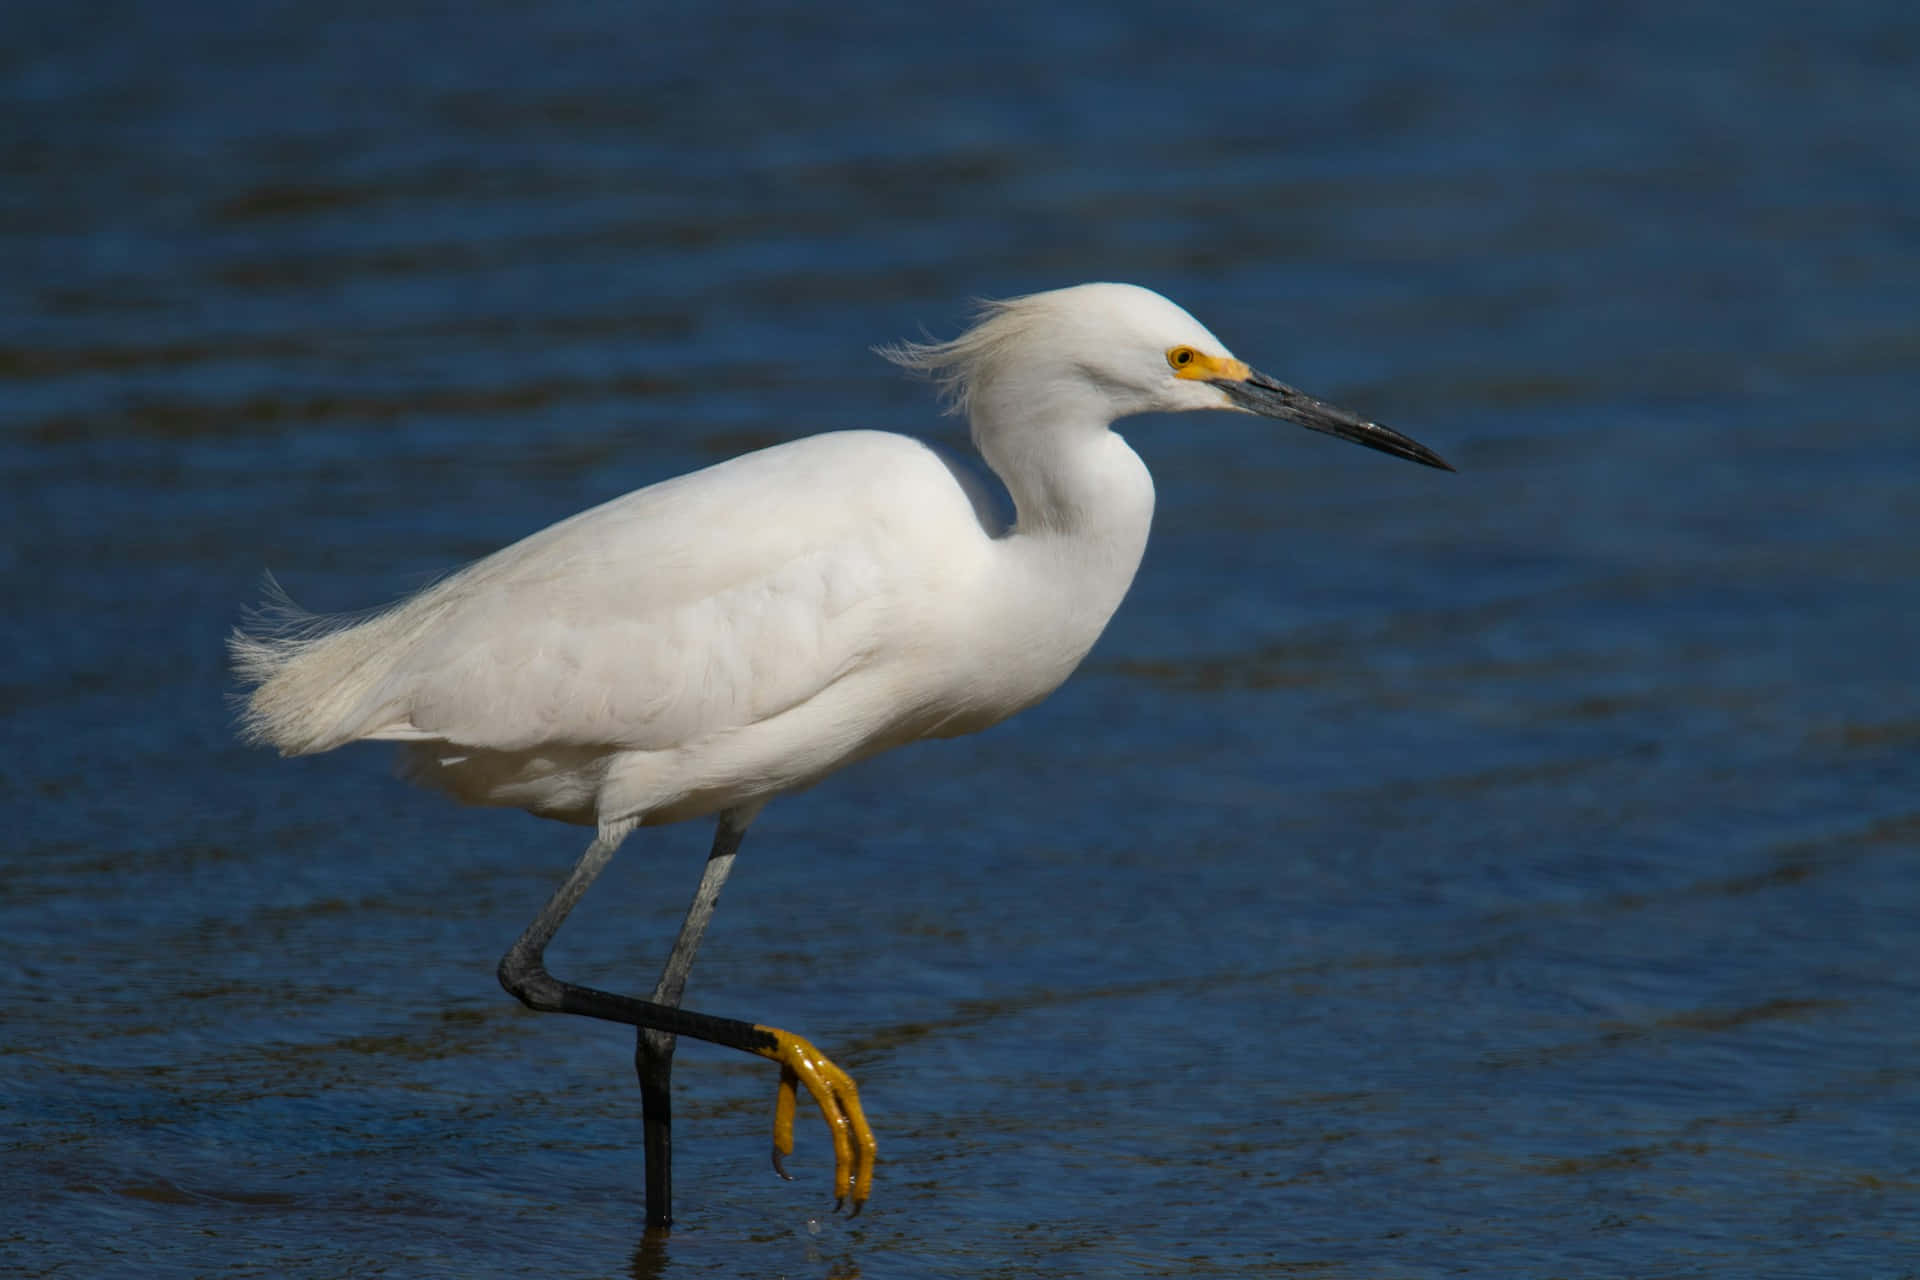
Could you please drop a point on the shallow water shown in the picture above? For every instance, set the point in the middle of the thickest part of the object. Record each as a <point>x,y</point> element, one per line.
<point>1509,873</point>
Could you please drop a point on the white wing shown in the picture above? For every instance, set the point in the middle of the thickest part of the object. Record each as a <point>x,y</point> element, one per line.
<point>708,602</point>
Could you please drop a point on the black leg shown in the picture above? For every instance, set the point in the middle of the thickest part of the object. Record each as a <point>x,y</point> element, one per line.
<point>653,1049</point>
<point>524,974</point>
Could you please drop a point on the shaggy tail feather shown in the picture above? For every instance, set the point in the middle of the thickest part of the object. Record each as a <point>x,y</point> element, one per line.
<point>312,676</point>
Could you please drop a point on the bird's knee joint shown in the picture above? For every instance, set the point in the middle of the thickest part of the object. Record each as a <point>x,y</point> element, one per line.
<point>526,979</point>
<point>653,1050</point>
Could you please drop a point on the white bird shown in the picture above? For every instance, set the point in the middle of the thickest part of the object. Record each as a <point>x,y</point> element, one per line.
<point>705,644</point>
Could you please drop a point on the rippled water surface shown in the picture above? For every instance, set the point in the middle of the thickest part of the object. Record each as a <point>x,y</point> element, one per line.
<point>1507,874</point>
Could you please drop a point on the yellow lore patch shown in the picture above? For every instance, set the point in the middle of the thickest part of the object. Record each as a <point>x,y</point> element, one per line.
<point>1198,366</point>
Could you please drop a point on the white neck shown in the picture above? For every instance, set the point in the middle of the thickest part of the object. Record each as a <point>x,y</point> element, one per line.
<point>1085,503</point>
<point>1069,474</point>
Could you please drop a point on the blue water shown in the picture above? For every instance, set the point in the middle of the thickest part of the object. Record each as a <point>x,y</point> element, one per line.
<point>1503,874</point>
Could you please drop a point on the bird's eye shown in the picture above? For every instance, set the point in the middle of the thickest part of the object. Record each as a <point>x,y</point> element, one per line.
<point>1181,357</point>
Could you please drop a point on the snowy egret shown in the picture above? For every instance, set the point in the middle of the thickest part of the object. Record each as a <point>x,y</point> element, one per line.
<point>700,646</point>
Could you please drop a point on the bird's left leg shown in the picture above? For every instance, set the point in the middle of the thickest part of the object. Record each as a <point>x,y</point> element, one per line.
<point>653,1049</point>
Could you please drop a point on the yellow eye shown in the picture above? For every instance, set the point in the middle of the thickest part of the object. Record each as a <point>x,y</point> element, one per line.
<point>1181,357</point>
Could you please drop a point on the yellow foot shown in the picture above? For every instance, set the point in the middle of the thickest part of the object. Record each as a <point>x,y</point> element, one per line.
<point>853,1145</point>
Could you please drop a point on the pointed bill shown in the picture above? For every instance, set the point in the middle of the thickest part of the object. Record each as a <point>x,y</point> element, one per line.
<point>1255,392</point>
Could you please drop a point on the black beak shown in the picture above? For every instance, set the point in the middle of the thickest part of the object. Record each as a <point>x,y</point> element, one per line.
<point>1257,393</point>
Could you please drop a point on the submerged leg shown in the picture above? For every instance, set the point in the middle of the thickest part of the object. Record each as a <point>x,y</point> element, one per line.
<point>653,1049</point>
<point>524,974</point>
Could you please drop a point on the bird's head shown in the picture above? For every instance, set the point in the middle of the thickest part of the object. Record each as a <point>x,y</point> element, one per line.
<point>1110,350</point>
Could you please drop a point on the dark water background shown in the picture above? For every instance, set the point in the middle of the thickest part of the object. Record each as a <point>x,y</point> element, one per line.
<point>1504,874</point>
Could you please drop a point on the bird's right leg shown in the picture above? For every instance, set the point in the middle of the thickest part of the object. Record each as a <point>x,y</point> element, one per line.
<point>653,1049</point>
<point>524,974</point>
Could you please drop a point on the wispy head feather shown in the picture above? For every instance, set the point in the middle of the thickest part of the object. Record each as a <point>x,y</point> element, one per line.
<point>959,365</point>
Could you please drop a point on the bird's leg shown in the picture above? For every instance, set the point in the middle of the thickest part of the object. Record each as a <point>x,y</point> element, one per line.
<point>653,1049</point>
<point>523,973</point>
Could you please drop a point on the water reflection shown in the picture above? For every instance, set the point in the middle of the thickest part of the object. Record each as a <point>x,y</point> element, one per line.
<point>1507,878</point>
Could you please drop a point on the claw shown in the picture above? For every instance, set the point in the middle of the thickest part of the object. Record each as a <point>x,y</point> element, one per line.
<point>785,1099</point>
<point>839,1102</point>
